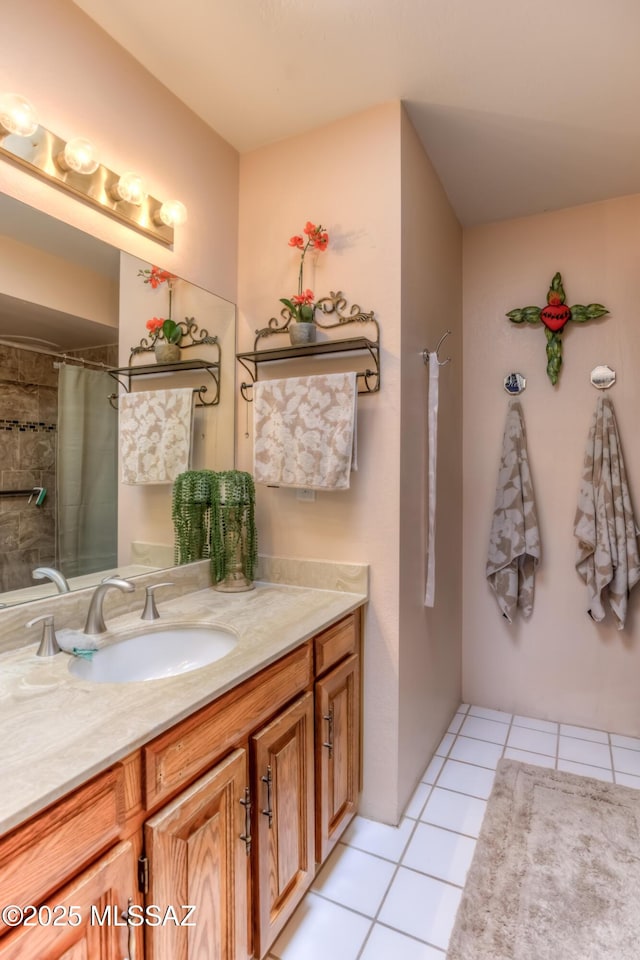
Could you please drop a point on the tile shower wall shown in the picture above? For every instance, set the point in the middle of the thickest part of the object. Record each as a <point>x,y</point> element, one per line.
<point>28,428</point>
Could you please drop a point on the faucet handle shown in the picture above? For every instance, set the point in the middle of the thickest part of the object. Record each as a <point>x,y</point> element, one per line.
<point>48,643</point>
<point>150,611</point>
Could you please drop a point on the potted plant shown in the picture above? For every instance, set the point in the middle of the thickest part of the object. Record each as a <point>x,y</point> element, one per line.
<point>166,334</point>
<point>302,306</point>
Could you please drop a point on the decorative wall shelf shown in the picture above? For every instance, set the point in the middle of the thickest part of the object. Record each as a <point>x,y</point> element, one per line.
<point>335,303</point>
<point>191,337</point>
<point>124,376</point>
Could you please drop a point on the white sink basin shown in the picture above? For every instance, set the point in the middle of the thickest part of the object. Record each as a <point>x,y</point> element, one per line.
<point>155,654</point>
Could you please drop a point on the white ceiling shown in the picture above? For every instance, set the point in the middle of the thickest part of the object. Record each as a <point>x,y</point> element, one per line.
<point>522,105</point>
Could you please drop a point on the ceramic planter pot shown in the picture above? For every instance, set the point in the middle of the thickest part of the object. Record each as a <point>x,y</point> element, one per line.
<point>166,352</point>
<point>302,332</point>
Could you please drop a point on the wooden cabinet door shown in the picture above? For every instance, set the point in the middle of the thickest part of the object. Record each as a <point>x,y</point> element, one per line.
<point>283,806</point>
<point>337,752</point>
<point>84,920</point>
<point>197,857</point>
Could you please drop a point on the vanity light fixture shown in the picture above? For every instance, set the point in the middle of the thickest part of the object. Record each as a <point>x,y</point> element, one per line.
<point>131,188</point>
<point>17,115</point>
<point>74,166</point>
<point>172,213</point>
<point>80,156</point>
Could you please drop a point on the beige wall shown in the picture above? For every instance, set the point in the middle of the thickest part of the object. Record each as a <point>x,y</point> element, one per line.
<point>349,176</point>
<point>38,277</point>
<point>559,664</point>
<point>83,84</point>
<point>430,639</point>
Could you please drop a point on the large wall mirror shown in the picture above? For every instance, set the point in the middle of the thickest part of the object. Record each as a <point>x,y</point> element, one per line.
<point>71,309</point>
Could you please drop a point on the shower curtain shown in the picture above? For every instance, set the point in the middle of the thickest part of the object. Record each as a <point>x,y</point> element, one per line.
<point>86,481</point>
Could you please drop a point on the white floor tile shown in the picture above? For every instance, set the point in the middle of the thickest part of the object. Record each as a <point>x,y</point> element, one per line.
<point>626,761</point>
<point>585,751</point>
<point>584,733</point>
<point>432,771</point>
<point>321,929</point>
<point>483,729</point>
<point>585,770</point>
<point>546,726</point>
<point>627,780</point>
<point>385,944</point>
<point>476,751</point>
<point>535,741</point>
<point>445,745</point>
<point>355,879</point>
<point>466,778</point>
<point>456,723</point>
<point>539,759</point>
<point>499,715</point>
<point>463,708</point>
<point>418,800</point>
<point>630,743</point>
<point>421,906</point>
<point>379,838</point>
<point>440,853</point>
<point>455,811</point>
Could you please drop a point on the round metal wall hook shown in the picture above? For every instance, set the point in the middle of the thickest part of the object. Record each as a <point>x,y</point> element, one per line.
<point>425,353</point>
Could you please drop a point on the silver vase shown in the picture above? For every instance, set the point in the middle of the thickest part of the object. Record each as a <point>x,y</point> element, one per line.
<point>302,332</point>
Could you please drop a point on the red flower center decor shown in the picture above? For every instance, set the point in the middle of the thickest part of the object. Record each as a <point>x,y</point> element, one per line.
<point>555,317</point>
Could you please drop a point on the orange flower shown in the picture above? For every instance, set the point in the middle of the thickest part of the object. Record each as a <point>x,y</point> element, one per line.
<point>305,297</point>
<point>154,324</point>
<point>317,239</point>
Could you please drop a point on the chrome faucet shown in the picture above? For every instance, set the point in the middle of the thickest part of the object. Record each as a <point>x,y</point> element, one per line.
<point>95,618</point>
<point>50,573</point>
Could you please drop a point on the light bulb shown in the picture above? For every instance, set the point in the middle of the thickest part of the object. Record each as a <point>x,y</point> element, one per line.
<point>80,156</point>
<point>17,115</point>
<point>131,188</point>
<point>172,213</point>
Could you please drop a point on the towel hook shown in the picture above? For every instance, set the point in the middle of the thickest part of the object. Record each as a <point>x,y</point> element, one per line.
<point>441,363</point>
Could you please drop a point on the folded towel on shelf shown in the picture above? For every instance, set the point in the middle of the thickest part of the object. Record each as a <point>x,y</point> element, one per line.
<point>305,431</point>
<point>607,556</point>
<point>156,428</point>
<point>514,542</point>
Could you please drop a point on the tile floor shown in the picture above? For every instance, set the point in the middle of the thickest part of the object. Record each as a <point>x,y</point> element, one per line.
<point>392,892</point>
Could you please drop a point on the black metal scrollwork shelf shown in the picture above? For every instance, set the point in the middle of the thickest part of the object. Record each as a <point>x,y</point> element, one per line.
<point>335,305</point>
<point>191,337</point>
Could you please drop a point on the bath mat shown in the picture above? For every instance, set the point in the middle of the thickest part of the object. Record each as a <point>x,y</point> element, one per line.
<point>556,871</point>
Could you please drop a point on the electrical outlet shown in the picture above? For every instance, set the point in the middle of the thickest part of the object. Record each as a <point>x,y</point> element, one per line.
<point>307,495</point>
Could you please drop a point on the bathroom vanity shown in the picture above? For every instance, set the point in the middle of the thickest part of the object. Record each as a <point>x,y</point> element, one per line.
<point>221,790</point>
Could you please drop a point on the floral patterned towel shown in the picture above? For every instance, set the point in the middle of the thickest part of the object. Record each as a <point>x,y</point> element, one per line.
<point>155,435</point>
<point>514,543</point>
<point>304,431</point>
<point>607,552</point>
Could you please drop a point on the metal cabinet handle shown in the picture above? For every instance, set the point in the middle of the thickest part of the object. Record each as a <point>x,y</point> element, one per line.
<point>329,742</point>
<point>269,811</point>
<point>246,836</point>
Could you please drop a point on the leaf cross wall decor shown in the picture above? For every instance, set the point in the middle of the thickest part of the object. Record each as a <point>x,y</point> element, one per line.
<point>555,317</point>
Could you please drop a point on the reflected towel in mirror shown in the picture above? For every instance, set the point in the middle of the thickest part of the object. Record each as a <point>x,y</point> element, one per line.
<point>156,429</point>
<point>304,431</point>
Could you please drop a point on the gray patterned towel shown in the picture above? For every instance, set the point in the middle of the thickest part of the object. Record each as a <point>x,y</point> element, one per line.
<point>607,553</point>
<point>514,543</point>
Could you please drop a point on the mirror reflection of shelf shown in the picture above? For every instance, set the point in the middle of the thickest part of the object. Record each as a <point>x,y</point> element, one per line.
<point>124,376</point>
<point>333,305</point>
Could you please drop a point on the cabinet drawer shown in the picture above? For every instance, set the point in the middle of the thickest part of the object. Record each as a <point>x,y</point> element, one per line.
<point>45,852</point>
<point>337,642</point>
<point>178,756</point>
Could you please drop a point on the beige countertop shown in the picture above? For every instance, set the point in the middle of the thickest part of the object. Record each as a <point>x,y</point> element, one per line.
<point>58,731</point>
